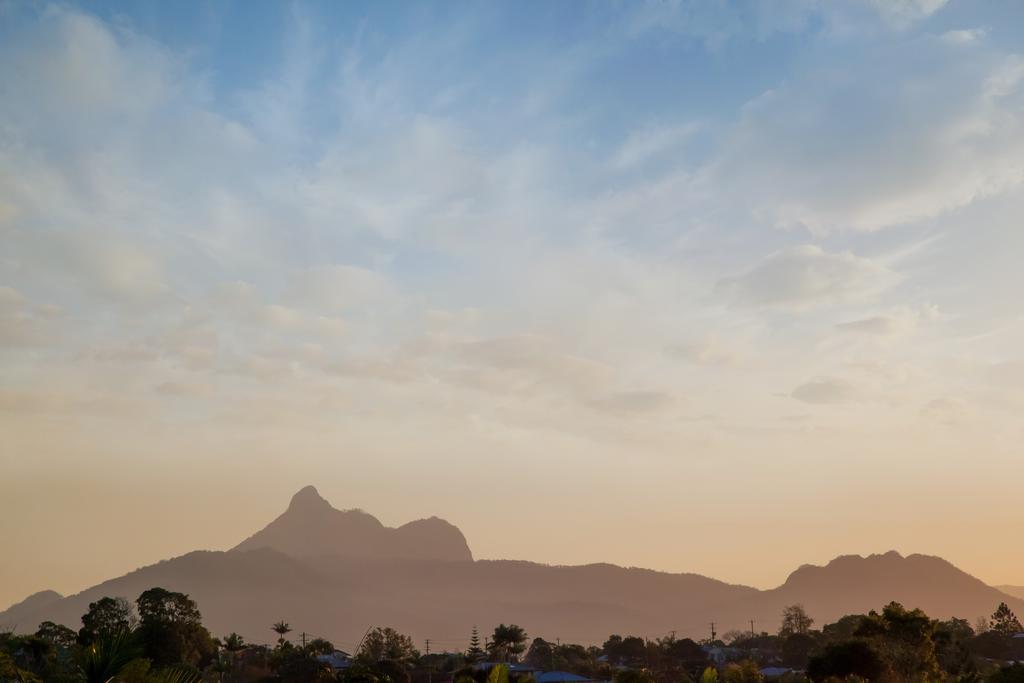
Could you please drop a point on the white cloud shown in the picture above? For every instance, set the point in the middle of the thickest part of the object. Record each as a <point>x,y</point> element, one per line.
<point>903,13</point>
<point>652,142</point>
<point>864,146</point>
<point>807,276</point>
<point>964,36</point>
<point>900,321</point>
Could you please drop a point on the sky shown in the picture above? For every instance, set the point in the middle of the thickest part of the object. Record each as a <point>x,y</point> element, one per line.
<point>698,286</point>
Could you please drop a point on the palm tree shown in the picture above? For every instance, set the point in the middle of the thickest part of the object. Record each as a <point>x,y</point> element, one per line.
<point>176,674</point>
<point>234,642</point>
<point>507,642</point>
<point>107,655</point>
<point>281,628</point>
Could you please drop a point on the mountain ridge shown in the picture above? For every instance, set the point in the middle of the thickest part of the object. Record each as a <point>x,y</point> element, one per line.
<point>308,566</point>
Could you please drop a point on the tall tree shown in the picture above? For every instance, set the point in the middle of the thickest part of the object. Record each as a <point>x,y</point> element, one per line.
<point>106,617</point>
<point>319,646</point>
<point>386,648</point>
<point>475,653</point>
<point>234,642</point>
<point>904,639</point>
<point>795,620</point>
<point>631,650</point>
<point>541,655</point>
<point>171,629</point>
<point>507,642</point>
<point>281,628</point>
<point>1005,622</point>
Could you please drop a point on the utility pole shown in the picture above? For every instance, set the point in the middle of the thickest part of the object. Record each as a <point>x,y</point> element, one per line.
<point>713,632</point>
<point>751,628</point>
<point>303,640</point>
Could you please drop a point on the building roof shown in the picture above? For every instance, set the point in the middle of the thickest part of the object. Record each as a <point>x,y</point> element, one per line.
<point>561,677</point>
<point>336,660</point>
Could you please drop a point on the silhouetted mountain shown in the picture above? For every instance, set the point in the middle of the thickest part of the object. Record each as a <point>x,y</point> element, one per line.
<point>27,608</point>
<point>852,584</point>
<point>307,567</point>
<point>311,527</point>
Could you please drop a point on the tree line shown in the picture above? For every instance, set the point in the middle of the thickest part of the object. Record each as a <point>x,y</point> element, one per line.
<point>161,639</point>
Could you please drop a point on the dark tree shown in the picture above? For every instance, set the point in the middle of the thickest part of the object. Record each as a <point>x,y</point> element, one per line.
<point>1005,622</point>
<point>842,629</point>
<point>687,655</point>
<point>631,650</point>
<point>541,654</point>
<point>319,646</point>
<point>633,676</point>
<point>106,617</point>
<point>904,640</point>
<point>795,620</point>
<point>57,634</point>
<point>507,643</point>
<point>475,653</point>
<point>952,639</point>
<point>281,628</point>
<point>1008,674</point>
<point>388,654</point>
<point>234,642</point>
<point>850,658</point>
<point>171,630</point>
<point>796,649</point>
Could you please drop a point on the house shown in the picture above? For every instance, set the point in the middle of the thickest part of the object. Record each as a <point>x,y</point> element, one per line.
<point>338,660</point>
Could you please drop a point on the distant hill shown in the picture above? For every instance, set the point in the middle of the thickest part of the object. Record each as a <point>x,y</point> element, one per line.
<point>310,527</point>
<point>17,614</point>
<point>851,584</point>
<point>1015,591</point>
<point>334,573</point>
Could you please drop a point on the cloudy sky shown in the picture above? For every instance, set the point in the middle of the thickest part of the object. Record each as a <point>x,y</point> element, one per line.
<point>698,286</point>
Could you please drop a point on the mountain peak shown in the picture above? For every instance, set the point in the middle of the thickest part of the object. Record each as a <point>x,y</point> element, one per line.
<point>312,527</point>
<point>308,498</point>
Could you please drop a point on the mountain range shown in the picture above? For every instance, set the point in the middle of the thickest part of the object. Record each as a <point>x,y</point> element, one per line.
<point>333,573</point>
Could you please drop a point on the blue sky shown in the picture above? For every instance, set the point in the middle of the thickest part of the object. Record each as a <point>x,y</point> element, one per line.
<point>699,253</point>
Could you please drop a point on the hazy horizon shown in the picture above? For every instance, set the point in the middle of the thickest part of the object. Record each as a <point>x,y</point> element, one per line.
<point>722,288</point>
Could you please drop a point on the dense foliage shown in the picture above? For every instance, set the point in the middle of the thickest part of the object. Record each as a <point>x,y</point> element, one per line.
<point>161,639</point>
